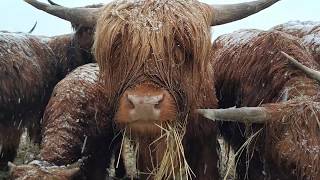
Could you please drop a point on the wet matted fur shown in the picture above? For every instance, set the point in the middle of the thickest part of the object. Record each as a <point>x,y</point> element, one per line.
<point>27,76</point>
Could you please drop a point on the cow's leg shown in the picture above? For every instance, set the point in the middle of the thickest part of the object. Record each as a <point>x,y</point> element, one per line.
<point>9,143</point>
<point>98,155</point>
<point>34,130</point>
<point>201,150</point>
<point>99,151</point>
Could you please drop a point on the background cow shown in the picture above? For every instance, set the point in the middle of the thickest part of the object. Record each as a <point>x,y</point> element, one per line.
<point>250,70</point>
<point>30,66</point>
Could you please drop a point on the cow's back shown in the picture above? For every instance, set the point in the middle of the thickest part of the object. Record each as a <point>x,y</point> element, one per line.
<point>27,72</point>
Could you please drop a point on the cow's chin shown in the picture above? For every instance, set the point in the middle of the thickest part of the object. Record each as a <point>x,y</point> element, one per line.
<point>141,128</point>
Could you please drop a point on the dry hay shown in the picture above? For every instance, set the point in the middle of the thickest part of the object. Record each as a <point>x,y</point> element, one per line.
<point>173,163</point>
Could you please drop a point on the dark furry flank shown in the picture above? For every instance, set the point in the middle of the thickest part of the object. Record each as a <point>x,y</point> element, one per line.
<point>251,71</point>
<point>27,76</point>
<point>28,69</point>
<point>308,31</point>
<point>166,43</point>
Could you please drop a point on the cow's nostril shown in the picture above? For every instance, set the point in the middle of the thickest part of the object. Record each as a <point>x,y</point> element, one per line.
<point>130,101</point>
<point>157,105</point>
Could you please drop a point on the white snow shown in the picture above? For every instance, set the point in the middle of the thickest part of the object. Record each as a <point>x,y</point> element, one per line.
<point>238,37</point>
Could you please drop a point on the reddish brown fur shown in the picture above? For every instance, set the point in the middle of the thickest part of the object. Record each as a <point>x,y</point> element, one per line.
<point>251,72</point>
<point>308,31</point>
<point>171,50</point>
<point>72,113</point>
<point>293,138</point>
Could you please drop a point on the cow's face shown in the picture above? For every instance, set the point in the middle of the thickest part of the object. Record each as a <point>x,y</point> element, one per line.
<point>84,38</point>
<point>144,108</point>
<point>154,61</point>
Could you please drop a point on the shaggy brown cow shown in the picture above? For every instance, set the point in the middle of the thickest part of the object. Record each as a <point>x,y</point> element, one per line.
<point>30,66</point>
<point>71,130</point>
<point>308,31</point>
<point>155,70</point>
<point>251,71</point>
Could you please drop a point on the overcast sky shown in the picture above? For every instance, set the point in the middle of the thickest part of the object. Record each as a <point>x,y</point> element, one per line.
<point>16,15</point>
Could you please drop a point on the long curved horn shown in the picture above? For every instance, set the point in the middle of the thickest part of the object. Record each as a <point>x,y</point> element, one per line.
<point>84,16</point>
<point>310,72</point>
<point>243,114</point>
<point>53,3</point>
<point>232,12</point>
<point>33,28</point>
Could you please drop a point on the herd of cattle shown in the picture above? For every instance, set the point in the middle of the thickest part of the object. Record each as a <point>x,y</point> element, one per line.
<point>137,68</point>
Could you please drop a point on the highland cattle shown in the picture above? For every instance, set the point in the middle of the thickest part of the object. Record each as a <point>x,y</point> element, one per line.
<point>154,60</point>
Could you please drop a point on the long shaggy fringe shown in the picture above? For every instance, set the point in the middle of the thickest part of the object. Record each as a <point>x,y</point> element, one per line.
<point>164,41</point>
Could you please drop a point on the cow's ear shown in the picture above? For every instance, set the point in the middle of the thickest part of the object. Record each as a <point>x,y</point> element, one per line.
<point>72,172</point>
<point>11,166</point>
